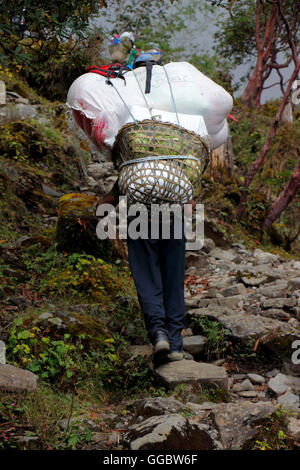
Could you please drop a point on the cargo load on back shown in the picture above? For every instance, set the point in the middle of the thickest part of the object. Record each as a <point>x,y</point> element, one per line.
<point>158,122</point>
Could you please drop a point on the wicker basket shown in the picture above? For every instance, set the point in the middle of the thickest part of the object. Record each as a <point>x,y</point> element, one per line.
<point>145,155</point>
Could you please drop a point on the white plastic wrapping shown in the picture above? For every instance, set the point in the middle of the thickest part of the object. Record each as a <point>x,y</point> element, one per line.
<point>194,94</point>
<point>188,121</point>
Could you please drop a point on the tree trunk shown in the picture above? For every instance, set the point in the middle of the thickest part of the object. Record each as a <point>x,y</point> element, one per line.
<point>287,115</point>
<point>265,37</point>
<point>285,199</point>
<point>252,93</point>
<point>255,166</point>
<point>221,168</point>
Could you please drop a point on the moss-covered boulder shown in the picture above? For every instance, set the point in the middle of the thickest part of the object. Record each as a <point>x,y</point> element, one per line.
<point>76,228</point>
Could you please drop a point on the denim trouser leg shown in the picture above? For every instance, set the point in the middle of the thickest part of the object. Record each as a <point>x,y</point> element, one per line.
<point>173,264</point>
<point>145,268</point>
<point>157,267</point>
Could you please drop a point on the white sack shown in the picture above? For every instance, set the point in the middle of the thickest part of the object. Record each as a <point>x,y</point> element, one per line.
<point>188,121</point>
<point>194,94</point>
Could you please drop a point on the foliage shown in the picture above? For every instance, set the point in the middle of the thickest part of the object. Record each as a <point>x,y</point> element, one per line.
<point>236,29</point>
<point>38,414</point>
<point>76,275</point>
<point>47,42</point>
<point>153,22</point>
<point>33,23</point>
<point>273,433</point>
<point>51,359</point>
<point>217,336</point>
<point>74,359</point>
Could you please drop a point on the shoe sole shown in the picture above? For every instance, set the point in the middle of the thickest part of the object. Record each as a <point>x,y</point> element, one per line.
<point>175,358</point>
<point>161,351</point>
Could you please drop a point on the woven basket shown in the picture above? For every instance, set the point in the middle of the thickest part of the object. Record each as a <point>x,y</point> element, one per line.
<point>145,155</point>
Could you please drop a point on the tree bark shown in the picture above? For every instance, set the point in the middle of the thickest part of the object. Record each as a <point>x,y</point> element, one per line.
<point>255,166</point>
<point>265,45</point>
<point>285,199</point>
<point>221,168</point>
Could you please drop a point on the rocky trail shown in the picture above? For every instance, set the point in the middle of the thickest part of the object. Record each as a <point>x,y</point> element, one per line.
<point>243,324</point>
<point>239,384</point>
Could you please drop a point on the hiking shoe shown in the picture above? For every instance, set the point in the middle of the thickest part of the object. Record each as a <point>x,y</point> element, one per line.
<point>161,347</point>
<point>176,356</point>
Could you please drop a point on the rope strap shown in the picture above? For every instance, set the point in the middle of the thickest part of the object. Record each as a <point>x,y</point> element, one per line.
<point>124,102</point>
<point>172,96</point>
<point>150,158</point>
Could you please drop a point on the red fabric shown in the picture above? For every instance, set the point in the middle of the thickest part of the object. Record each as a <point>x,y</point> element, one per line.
<point>94,129</point>
<point>104,69</point>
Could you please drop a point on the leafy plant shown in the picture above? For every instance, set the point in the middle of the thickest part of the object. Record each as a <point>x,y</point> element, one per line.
<point>217,336</point>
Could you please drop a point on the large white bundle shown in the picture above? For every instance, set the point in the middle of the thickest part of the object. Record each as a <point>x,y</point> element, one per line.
<point>194,94</point>
<point>188,121</point>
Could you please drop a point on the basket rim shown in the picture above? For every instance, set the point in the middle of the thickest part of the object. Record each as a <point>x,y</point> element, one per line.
<point>165,124</point>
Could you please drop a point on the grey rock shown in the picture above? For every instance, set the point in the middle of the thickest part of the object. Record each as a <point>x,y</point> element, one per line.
<point>275,313</point>
<point>156,406</point>
<point>272,373</point>
<point>17,98</point>
<point>27,442</point>
<point>279,303</point>
<point>243,386</point>
<point>194,301</point>
<point>273,291</point>
<point>293,322</point>
<point>194,344</point>
<point>212,292</point>
<point>203,407</point>
<point>256,379</point>
<point>289,401</point>
<point>13,379</point>
<point>236,422</point>
<point>144,350</point>
<point>254,281</point>
<point>223,282</point>
<point>262,269</point>
<point>294,428</point>
<point>196,260</point>
<point>26,111</point>
<point>294,283</point>
<point>233,303</point>
<point>282,383</point>
<point>239,376</point>
<point>208,245</point>
<point>224,255</point>
<point>45,316</point>
<point>248,394</point>
<point>264,257</point>
<point>237,289</point>
<point>50,191</point>
<point>171,432</point>
<point>187,371</point>
<point>100,170</point>
<point>245,326</point>
<point>2,93</point>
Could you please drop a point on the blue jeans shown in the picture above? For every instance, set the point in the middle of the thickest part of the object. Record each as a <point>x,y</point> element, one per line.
<point>157,267</point>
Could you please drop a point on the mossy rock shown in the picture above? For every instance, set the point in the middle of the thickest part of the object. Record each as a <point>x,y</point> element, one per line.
<point>76,227</point>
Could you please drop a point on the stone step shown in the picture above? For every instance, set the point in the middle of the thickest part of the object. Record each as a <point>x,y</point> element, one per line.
<point>188,371</point>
